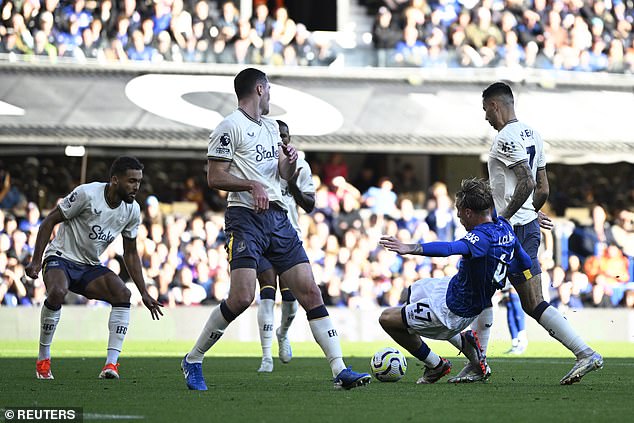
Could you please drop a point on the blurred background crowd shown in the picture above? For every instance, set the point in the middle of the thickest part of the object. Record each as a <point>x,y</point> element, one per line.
<point>578,35</point>
<point>588,260</point>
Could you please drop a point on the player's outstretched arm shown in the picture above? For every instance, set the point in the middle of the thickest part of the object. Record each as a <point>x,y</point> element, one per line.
<point>429,249</point>
<point>43,237</point>
<point>133,264</point>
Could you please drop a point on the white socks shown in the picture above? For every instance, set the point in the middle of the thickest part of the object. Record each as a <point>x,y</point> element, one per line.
<point>211,333</point>
<point>482,326</point>
<point>432,360</point>
<point>289,310</point>
<point>48,323</point>
<point>265,325</point>
<point>118,326</point>
<point>328,339</point>
<point>560,329</point>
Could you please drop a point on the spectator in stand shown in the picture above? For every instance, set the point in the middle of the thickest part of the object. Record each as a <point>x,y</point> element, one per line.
<point>76,12</point>
<point>284,29</point>
<point>479,31</point>
<point>246,43</point>
<point>89,47</point>
<point>608,271</point>
<point>335,166</point>
<point>139,51</point>
<point>574,286</point>
<point>166,51</point>
<point>306,51</point>
<point>228,26</point>
<point>586,241</point>
<point>32,221</point>
<point>262,23</point>
<point>410,51</point>
<point>181,25</point>
<point>384,36</point>
<point>10,195</point>
<point>440,217</point>
<point>381,200</point>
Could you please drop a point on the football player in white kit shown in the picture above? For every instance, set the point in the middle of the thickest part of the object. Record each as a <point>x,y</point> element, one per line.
<point>517,172</point>
<point>297,191</point>
<point>91,217</point>
<point>246,158</point>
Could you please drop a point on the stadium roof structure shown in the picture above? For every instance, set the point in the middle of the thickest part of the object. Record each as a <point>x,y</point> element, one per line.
<point>583,118</point>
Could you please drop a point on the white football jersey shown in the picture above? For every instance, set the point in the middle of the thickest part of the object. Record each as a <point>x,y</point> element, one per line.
<point>90,224</point>
<point>305,184</point>
<point>252,147</point>
<point>514,144</point>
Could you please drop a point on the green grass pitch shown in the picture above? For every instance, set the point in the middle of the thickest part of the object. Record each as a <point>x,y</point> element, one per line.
<point>152,389</point>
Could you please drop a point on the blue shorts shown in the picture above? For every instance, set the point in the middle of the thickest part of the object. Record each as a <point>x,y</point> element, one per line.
<point>78,275</point>
<point>263,265</point>
<point>251,235</point>
<point>530,236</point>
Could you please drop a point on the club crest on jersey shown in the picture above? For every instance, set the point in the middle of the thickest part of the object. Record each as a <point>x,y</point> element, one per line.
<point>99,234</point>
<point>241,247</point>
<point>264,154</point>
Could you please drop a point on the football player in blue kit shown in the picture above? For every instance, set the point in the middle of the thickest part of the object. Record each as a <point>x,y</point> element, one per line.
<point>441,308</point>
<point>90,218</point>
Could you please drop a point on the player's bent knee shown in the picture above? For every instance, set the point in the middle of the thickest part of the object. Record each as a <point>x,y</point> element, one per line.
<point>56,295</point>
<point>390,318</point>
<point>123,296</point>
<point>239,304</point>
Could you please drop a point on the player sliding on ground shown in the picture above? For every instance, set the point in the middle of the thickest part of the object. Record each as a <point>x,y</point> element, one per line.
<point>442,308</point>
<point>91,217</point>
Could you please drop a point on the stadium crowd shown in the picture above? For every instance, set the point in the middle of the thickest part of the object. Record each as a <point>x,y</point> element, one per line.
<point>185,262</point>
<point>577,35</point>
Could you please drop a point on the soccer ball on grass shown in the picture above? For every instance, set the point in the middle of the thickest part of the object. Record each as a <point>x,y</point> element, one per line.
<point>388,365</point>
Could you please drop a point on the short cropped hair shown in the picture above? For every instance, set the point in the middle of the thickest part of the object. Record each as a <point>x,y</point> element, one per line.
<point>497,89</point>
<point>474,194</point>
<point>281,123</point>
<point>244,83</point>
<point>124,163</point>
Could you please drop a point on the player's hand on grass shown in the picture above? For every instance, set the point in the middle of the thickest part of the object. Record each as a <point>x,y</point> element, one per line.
<point>32,270</point>
<point>260,197</point>
<point>544,221</point>
<point>152,305</point>
<point>392,244</point>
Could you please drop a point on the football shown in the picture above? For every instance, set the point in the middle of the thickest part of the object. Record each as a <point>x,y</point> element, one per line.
<point>388,365</point>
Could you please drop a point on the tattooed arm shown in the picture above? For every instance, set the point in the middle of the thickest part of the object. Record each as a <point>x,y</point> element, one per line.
<point>523,189</point>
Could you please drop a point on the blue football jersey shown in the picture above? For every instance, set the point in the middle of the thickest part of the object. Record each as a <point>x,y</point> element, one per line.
<point>493,249</point>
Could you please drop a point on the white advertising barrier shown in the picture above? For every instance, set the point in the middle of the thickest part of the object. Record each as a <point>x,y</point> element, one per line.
<point>185,323</point>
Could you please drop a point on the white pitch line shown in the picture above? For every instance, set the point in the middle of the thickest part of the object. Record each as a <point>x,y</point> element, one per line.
<point>92,416</point>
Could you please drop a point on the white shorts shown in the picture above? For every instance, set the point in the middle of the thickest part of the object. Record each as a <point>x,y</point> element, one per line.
<point>426,312</point>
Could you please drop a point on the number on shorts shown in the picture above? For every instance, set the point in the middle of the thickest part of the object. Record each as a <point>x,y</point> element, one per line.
<point>421,314</point>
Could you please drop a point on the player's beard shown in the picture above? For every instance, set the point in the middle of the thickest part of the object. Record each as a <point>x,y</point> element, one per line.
<point>127,197</point>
